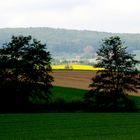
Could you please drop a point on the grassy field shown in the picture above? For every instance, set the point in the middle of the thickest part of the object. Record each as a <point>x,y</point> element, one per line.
<point>70,126</point>
<point>136,99</point>
<point>68,94</point>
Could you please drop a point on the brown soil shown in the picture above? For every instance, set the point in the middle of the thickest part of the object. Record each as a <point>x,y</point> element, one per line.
<point>75,79</point>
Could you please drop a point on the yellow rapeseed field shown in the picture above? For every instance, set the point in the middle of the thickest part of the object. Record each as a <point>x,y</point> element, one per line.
<point>75,67</point>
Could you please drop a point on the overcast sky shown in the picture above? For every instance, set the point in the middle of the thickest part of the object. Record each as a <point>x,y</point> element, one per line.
<point>101,15</point>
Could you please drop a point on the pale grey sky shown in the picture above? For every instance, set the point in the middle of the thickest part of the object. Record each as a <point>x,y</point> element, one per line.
<point>101,15</point>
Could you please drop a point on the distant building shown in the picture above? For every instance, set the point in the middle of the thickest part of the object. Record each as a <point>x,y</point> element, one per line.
<point>92,60</point>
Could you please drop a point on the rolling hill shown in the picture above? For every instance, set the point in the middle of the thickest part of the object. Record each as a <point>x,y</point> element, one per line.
<point>64,43</point>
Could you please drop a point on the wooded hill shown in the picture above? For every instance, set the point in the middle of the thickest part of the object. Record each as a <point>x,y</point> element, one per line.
<point>65,43</point>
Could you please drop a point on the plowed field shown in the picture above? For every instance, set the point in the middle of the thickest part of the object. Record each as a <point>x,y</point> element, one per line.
<point>74,79</point>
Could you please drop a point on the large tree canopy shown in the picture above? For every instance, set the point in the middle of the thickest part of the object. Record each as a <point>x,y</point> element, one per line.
<point>24,70</point>
<point>110,87</point>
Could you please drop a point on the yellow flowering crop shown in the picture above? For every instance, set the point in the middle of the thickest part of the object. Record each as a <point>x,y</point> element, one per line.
<point>75,67</point>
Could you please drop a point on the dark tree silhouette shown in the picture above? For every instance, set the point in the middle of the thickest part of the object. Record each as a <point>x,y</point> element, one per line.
<point>24,72</point>
<point>110,87</point>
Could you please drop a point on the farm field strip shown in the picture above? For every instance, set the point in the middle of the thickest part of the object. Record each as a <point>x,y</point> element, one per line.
<point>75,79</point>
<point>70,126</point>
<point>75,67</point>
<point>70,78</point>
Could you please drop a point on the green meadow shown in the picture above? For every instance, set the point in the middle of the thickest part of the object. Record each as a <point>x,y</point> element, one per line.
<point>71,126</point>
<point>68,94</point>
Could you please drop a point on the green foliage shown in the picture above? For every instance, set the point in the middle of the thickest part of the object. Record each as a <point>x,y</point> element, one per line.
<point>70,126</point>
<point>24,67</point>
<point>109,88</point>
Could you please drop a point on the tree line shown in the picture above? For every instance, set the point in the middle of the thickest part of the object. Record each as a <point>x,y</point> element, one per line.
<point>26,82</point>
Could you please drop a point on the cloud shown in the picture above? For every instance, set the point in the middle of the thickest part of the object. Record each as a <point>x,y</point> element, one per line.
<point>101,15</point>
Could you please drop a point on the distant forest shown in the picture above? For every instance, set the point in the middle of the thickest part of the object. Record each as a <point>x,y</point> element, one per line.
<point>64,43</point>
